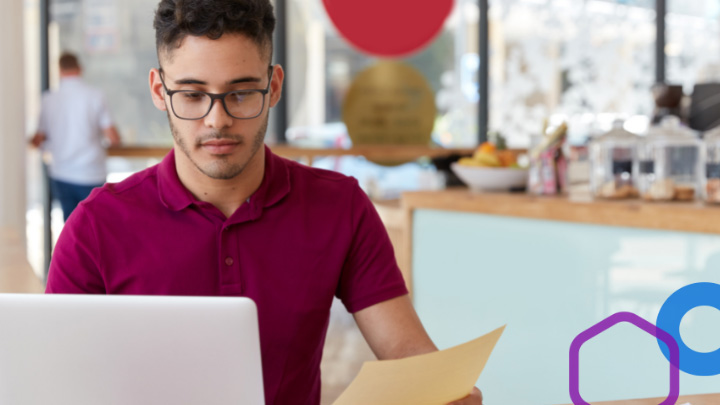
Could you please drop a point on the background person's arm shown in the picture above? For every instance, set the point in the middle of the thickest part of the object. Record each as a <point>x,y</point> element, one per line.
<point>105,121</point>
<point>43,127</point>
<point>112,135</point>
<point>393,330</point>
<point>38,139</point>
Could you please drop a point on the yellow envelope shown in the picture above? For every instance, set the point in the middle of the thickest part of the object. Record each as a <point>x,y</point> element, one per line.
<point>429,379</point>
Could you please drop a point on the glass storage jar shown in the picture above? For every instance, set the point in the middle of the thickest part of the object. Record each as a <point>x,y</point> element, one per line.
<point>669,164</point>
<point>712,166</point>
<point>612,157</point>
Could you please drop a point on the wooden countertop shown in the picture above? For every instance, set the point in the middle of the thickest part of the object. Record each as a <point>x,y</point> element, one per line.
<point>707,399</point>
<point>580,208</point>
<point>16,275</point>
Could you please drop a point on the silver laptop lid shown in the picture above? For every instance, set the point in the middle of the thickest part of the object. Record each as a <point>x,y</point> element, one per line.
<point>98,349</point>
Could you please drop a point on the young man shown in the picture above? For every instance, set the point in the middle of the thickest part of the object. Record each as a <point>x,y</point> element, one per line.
<point>223,215</point>
<point>73,121</point>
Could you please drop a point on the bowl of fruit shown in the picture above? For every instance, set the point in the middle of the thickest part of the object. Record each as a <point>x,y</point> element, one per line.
<point>491,169</point>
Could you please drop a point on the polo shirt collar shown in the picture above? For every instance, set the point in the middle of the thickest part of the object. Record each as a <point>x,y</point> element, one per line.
<point>172,192</point>
<point>276,182</point>
<point>274,187</point>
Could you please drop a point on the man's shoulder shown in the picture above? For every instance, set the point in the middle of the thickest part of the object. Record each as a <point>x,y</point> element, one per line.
<point>48,96</point>
<point>142,183</point>
<point>77,89</point>
<point>326,191</point>
<point>90,90</point>
<point>319,177</point>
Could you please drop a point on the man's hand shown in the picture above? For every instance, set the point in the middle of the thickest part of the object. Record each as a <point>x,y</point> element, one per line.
<point>393,331</point>
<point>113,137</point>
<point>38,140</point>
<point>475,398</point>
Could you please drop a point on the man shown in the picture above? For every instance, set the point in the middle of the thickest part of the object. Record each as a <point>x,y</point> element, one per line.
<point>223,215</point>
<point>73,121</point>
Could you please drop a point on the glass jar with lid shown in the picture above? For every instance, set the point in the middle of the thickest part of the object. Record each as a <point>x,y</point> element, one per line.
<point>712,166</point>
<point>612,156</point>
<point>669,164</point>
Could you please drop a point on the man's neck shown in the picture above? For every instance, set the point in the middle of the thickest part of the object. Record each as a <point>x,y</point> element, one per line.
<point>70,74</point>
<point>225,195</point>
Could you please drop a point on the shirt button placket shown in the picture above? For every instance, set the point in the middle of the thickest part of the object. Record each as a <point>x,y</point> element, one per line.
<point>229,274</point>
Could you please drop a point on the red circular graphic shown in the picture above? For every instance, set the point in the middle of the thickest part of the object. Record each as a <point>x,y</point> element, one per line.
<point>389,28</point>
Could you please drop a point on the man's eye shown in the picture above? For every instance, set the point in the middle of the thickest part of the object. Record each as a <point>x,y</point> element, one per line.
<point>192,96</point>
<point>237,96</point>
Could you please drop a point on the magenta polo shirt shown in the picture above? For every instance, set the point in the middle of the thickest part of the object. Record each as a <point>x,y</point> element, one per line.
<point>304,236</point>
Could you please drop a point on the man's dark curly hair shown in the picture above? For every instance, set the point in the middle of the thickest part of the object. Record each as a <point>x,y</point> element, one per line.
<point>176,19</point>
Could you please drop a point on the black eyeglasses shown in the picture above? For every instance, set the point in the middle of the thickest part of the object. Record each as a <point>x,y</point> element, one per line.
<point>196,104</point>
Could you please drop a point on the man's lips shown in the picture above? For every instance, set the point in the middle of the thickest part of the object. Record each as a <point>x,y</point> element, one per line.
<point>219,146</point>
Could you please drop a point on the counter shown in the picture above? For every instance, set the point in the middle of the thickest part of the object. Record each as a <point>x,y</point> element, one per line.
<point>577,207</point>
<point>551,267</point>
<point>709,399</point>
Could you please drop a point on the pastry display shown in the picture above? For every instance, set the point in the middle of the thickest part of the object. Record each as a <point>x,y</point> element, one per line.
<point>617,190</point>
<point>712,191</point>
<point>612,156</point>
<point>669,163</point>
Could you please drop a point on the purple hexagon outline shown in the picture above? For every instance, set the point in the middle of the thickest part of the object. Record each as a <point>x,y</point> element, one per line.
<point>606,324</point>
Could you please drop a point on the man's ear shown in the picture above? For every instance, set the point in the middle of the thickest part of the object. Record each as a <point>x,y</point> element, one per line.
<point>276,85</point>
<point>157,91</point>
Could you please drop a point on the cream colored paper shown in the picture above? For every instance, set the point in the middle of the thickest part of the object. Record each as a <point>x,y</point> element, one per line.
<point>429,379</point>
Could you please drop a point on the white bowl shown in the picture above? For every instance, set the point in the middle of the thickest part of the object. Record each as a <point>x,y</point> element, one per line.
<point>490,178</point>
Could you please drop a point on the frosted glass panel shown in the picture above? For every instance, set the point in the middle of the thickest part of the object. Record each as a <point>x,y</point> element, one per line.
<point>693,42</point>
<point>583,61</point>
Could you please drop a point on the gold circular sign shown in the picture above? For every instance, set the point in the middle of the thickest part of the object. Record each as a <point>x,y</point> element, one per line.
<point>390,103</point>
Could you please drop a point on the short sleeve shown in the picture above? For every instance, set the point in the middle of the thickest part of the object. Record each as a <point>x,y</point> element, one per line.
<point>75,265</point>
<point>370,274</point>
<point>104,118</point>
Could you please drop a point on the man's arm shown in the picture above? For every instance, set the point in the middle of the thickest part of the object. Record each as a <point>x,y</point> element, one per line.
<point>112,135</point>
<point>38,139</point>
<point>393,330</point>
<point>40,136</point>
<point>391,326</point>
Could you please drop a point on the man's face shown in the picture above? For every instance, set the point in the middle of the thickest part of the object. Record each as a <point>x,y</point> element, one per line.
<point>218,145</point>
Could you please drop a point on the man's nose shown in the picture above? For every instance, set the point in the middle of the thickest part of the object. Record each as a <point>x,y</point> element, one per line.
<point>217,117</point>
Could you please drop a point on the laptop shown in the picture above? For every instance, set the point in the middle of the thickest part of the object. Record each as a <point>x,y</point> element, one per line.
<point>121,350</point>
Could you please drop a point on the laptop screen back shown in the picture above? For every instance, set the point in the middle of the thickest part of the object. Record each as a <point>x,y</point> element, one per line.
<point>92,349</point>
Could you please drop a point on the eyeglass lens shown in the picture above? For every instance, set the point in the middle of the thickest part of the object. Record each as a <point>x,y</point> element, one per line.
<point>239,104</point>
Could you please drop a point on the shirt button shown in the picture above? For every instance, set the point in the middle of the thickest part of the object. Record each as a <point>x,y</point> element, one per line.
<point>229,261</point>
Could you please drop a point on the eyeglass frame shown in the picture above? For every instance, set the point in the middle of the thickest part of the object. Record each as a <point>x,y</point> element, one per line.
<point>218,96</point>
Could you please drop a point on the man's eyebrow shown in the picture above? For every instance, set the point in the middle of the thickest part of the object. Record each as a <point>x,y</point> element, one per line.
<point>189,81</point>
<point>247,79</point>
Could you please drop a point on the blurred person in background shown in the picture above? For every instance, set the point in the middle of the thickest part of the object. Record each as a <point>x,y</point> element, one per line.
<point>74,126</point>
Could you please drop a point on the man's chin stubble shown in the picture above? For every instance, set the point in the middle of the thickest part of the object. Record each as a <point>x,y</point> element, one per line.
<point>215,171</point>
<point>219,173</point>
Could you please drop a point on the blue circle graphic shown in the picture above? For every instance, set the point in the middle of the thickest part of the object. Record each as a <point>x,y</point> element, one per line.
<point>672,313</point>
